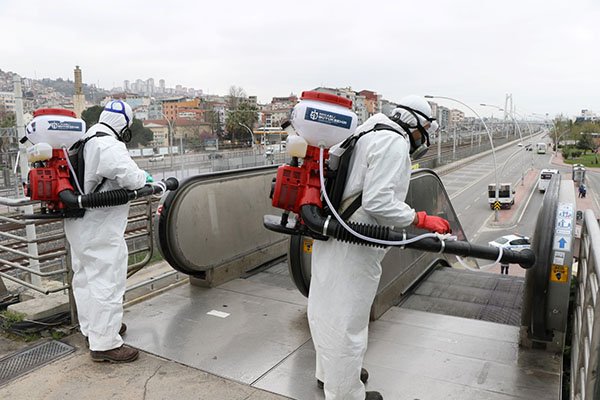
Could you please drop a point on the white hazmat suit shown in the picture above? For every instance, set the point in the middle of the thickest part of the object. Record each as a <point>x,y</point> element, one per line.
<point>345,276</point>
<point>98,248</point>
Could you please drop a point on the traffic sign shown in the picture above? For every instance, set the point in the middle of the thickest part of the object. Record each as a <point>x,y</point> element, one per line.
<point>497,205</point>
<point>559,273</point>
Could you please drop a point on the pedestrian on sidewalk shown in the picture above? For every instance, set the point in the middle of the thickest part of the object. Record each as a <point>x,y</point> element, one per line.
<point>504,268</point>
<point>582,190</point>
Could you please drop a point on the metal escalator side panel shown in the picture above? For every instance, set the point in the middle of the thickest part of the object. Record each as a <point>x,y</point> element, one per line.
<point>299,256</point>
<point>214,220</point>
<point>536,278</point>
<point>401,268</point>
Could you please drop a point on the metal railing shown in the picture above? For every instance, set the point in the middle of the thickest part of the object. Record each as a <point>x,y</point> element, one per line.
<point>585,350</point>
<point>19,265</point>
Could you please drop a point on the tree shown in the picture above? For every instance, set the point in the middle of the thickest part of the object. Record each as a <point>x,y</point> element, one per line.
<point>7,118</point>
<point>245,114</point>
<point>140,135</point>
<point>586,143</point>
<point>239,113</point>
<point>91,115</point>
<point>216,126</point>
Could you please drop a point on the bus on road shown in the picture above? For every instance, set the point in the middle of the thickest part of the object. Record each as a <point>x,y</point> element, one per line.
<point>541,148</point>
<point>544,180</point>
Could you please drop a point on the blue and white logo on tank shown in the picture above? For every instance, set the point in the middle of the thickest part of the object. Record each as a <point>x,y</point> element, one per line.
<point>328,118</point>
<point>72,126</point>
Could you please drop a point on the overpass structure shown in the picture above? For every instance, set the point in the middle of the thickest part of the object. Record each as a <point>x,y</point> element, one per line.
<point>439,329</point>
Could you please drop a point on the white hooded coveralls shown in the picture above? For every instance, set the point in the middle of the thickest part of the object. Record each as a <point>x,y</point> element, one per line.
<point>345,276</point>
<point>98,248</point>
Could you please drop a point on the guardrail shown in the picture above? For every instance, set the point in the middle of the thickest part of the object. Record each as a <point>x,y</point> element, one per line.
<point>21,239</point>
<point>585,350</point>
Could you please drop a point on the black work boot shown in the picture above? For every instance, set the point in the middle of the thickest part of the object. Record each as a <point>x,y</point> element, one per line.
<point>373,396</point>
<point>364,377</point>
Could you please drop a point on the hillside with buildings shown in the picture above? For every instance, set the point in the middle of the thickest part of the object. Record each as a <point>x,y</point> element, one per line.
<point>189,116</point>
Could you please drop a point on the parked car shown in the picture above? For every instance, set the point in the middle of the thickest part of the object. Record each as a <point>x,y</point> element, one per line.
<point>158,157</point>
<point>512,242</point>
<point>214,156</point>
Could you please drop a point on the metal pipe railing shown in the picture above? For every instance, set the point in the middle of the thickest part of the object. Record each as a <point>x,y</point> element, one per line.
<point>585,345</point>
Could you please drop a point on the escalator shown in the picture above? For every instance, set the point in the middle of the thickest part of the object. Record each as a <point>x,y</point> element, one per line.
<point>438,330</point>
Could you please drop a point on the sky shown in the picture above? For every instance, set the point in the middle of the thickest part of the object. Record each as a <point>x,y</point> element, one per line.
<point>544,53</point>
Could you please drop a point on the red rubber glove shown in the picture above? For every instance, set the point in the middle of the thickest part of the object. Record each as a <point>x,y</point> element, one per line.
<point>432,223</point>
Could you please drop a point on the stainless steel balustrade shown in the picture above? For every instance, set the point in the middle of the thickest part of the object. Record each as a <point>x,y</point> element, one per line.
<point>585,345</point>
<point>139,236</point>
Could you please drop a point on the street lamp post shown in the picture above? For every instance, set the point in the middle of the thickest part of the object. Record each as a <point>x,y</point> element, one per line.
<point>491,144</point>
<point>249,131</point>
<point>169,137</point>
<point>520,136</point>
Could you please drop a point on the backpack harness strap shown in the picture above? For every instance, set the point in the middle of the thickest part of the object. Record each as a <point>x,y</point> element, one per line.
<point>357,202</point>
<point>81,162</point>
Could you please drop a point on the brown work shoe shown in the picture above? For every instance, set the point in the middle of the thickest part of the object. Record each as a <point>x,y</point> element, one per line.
<point>123,354</point>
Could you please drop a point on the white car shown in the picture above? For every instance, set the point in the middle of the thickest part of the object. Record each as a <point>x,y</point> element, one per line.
<point>159,157</point>
<point>512,242</point>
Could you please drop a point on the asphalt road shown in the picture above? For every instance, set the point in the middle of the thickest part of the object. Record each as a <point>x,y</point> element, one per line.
<point>467,188</point>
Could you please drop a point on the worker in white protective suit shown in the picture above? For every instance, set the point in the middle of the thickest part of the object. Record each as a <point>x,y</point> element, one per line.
<point>345,276</point>
<point>98,248</point>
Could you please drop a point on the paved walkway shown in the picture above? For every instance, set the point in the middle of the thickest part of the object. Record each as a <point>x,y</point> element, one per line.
<point>76,376</point>
<point>590,202</point>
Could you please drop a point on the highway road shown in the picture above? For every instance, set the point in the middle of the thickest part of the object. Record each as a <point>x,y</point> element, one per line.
<point>467,188</point>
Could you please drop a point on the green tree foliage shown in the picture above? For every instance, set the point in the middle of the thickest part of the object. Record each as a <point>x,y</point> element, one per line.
<point>216,126</point>
<point>7,118</point>
<point>140,136</point>
<point>237,120</point>
<point>586,143</point>
<point>239,113</point>
<point>91,115</point>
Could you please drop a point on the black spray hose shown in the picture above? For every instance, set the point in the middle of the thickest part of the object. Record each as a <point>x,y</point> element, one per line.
<point>328,226</point>
<point>112,197</point>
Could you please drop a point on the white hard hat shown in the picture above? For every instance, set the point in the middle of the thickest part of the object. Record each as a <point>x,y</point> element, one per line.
<point>417,103</point>
<point>117,114</point>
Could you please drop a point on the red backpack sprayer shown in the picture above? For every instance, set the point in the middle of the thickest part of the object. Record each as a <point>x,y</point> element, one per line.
<point>320,142</point>
<point>53,178</point>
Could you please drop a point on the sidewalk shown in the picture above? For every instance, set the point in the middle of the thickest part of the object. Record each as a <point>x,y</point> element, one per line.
<point>588,202</point>
<point>76,376</point>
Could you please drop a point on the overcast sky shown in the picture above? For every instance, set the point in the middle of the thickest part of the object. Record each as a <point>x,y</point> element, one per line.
<point>546,53</point>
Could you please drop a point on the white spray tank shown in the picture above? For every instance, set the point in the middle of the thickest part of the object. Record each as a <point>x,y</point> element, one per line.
<point>55,127</point>
<point>320,119</point>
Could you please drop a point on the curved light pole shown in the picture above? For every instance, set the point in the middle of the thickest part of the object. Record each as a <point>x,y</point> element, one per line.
<point>251,133</point>
<point>491,144</point>
<point>544,117</point>
<point>169,138</point>
<point>520,135</point>
<point>510,114</point>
